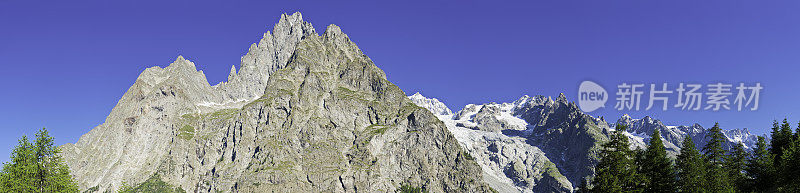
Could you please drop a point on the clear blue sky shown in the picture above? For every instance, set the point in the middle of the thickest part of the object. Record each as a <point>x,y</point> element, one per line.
<point>65,64</point>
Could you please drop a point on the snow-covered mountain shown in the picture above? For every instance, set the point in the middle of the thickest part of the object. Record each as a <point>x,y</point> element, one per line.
<point>639,130</point>
<point>509,162</point>
<point>543,145</point>
<point>520,157</point>
<point>433,105</point>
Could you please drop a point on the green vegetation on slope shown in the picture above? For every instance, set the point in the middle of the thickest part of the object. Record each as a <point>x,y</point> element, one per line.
<point>186,132</point>
<point>153,184</point>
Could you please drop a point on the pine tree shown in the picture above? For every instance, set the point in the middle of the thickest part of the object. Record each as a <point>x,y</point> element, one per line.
<point>638,161</point>
<point>616,171</point>
<point>760,169</point>
<point>691,168</point>
<point>775,140</point>
<point>735,163</point>
<point>781,139</point>
<point>37,167</point>
<point>717,177</point>
<point>657,167</point>
<point>19,174</point>
<point>790,168</point>
<point>797,131</point>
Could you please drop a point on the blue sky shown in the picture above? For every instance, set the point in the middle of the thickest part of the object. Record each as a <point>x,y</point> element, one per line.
<point>65,64</point>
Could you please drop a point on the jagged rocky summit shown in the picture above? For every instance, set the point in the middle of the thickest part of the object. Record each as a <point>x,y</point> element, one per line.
<point>537,144</point>
<point>311,113</point>
<point>303,113</point>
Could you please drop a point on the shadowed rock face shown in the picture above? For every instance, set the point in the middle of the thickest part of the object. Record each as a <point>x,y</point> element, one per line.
<point>304,113</point>
<point>569,137</point>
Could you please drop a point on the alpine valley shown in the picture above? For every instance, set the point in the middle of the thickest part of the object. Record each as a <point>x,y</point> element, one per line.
<point>311,113</point>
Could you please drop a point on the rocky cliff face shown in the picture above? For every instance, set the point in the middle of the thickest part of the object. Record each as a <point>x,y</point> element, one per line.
<point>304,113</point>
<point>568,136</point>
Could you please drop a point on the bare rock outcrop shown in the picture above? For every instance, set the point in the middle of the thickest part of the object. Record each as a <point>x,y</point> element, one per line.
<point>304,113</point>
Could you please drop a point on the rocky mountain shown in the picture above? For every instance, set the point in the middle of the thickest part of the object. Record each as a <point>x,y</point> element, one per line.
<point>311,113</point>
<point>534,144</point>
<point>537,144</point>
<point>304,113</point>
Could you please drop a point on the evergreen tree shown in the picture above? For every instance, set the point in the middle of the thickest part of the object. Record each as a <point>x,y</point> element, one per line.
<point>790,168</point>
<point>638,161</point>
<point>781,138</point>
<point>760,169</point>
<point>775,140</point>
<point>735,163</point>
<point>37,167</point>
<point>691,168</point>
<point>657,167</point>
<point>717,177</point>
<point>797,131</point>
<point>19,174</point>
<point>616,171</point>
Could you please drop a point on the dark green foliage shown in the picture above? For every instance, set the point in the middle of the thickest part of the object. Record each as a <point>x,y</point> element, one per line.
<point>468,156</point>
<point>760,169</point>
<point>797,131</point>
<point>790,168</point>
<point>92,189</point>
<point>691,168</point>
<point>617,171</point>
<point>781,139</point>
<point>717,179</point>
<point>153,184</point>
<point>735,164</point>
<point>785,155</point>
<point>713,149</point>
<point>36,167</point>
<point>410,189</point>
<point>773,168</point>
<point>657,167</point>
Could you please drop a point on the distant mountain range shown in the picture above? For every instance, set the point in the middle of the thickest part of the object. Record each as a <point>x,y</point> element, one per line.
<point>537,144</point>
<point>311,113</point>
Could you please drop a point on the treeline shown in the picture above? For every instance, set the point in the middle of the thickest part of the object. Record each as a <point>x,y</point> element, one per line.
<point>771,167</point>
<point>36,167</point>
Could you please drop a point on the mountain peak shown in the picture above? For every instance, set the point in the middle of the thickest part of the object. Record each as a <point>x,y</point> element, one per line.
<point>290,24</point>
<point>294,18</point>
<point>432,104</point>
<point>561,97</point>
<point>333,29</point>
<point>233,73</point>
<point>242,124</point>
<point>181,62</point>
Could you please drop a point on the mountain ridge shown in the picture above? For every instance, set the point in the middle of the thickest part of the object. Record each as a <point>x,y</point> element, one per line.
<point>532,119</point>
<point>304,112</point>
